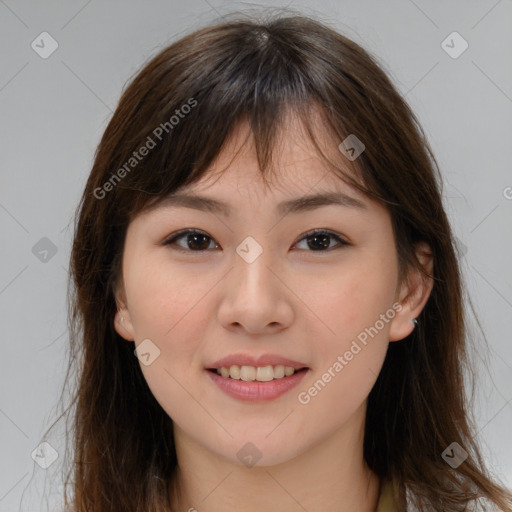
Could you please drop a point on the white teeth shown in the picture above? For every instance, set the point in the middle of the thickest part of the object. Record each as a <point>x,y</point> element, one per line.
<point>278,371</point>
<point>233,372</point>
<point>264,373</point>
<point>247,373</point>
<point>288,370</point>
<point>260,373</point>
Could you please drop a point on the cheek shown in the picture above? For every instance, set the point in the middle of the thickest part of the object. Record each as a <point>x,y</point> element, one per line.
<point>160,298</point>
<point>352,340</point>
<point>170,307</point>
<point>166,308</point>
<point>346,300</point>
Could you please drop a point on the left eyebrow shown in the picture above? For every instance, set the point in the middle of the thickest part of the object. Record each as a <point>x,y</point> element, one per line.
<point>295,205</point>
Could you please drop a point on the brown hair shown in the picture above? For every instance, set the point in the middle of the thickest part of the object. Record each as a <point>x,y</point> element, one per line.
<point>257,70</point>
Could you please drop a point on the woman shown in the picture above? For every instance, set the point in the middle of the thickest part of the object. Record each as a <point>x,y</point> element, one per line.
<point>289,335</point>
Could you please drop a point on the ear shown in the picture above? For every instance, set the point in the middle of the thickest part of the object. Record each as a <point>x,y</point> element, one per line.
<point>122,321</point>
<point>413,294</point>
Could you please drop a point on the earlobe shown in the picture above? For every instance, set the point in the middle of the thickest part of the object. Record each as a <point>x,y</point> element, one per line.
<point>123,325</point>
<point>413,295</point>
<point>122,321</point>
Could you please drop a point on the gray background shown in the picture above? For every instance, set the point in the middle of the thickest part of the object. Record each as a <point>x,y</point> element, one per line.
<point>54,111</point>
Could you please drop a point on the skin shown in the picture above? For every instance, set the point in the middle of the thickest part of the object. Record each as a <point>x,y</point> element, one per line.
<point>294,301</point>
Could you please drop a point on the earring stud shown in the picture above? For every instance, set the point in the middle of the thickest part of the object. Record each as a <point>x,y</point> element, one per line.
<point>414,322</point>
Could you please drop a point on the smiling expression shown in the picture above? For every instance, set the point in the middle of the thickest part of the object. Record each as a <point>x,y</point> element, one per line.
<point>199,297</point>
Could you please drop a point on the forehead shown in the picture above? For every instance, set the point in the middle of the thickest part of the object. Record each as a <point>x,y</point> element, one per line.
<point>300,176</point>
<point>296,164</point>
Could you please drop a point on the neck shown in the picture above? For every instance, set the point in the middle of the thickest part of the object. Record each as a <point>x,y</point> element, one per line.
<point>330,476</point>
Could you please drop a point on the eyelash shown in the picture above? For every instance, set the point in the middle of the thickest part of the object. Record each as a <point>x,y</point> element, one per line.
<point>181,234</point>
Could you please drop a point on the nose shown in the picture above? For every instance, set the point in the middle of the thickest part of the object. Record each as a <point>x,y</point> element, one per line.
<point>256,296</point>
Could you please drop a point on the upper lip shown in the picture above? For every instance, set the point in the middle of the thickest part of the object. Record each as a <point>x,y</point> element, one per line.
<point>248,360</point>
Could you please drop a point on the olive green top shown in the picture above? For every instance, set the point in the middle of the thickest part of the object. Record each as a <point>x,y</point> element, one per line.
<point>388,497</point>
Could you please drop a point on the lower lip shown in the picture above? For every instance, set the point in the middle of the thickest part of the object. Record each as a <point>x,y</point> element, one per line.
<point>255,391</point>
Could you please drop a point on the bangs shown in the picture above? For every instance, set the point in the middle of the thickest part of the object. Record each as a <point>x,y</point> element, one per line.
<point>266,134</point>
<point>190,106</point>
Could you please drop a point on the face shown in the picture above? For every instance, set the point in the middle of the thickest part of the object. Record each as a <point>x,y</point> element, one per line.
<point>256,283</point>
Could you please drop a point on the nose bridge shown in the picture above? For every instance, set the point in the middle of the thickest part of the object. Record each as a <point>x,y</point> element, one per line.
<point>251,265</point>
<point>254,297</point>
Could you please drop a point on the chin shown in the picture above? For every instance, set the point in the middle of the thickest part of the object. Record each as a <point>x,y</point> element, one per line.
<point>257,451</point>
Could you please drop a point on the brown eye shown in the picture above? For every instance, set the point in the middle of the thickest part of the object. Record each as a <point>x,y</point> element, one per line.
<point>319,240</point>
<point>194,240</point>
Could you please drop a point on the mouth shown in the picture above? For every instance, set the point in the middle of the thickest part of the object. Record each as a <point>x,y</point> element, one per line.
<point>257,373</point>
<point>256,384</point>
